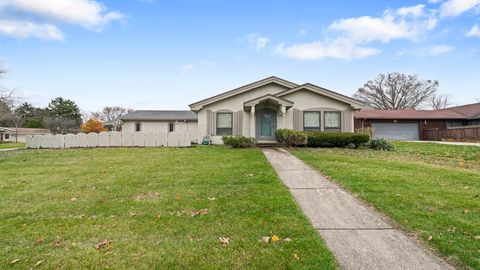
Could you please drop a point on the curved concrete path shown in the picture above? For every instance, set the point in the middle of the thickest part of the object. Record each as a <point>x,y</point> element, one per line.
<point>358,236</point>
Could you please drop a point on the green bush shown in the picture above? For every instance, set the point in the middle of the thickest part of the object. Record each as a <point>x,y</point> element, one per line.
<point>238,141</point>
<point>381,144</point>
<point>291,137</point>
<point>336,139</point>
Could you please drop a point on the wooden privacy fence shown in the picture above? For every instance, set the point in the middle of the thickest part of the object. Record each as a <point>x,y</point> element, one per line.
<point>457,134</point>
<point>110,139</point>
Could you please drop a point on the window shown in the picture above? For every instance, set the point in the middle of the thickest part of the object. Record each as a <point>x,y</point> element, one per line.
<point>333,121</point>
<point>311,121</point>
<point>7,136</point>
<point>138,127</point>
<point>171,127</point>
<point>224,123</point>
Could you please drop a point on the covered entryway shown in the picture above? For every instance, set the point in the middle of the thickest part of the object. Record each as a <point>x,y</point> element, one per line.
<point>396,131</point>
<point>266,124</point>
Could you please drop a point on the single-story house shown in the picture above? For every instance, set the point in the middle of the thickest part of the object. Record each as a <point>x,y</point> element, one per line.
<point>156,121</point>
<point>255,110</point>
<point>417,124</point>
<point>9,134</point>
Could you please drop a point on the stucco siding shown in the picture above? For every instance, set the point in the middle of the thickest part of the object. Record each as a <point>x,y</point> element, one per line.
<point>160,127</point>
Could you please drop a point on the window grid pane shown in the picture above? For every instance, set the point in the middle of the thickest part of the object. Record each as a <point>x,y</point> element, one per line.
<point>311,119</point>
<point>333,121</point>
<point>224,120</point>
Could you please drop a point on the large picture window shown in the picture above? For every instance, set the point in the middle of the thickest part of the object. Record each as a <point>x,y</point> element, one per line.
<point>311,121</point>
<point>333,121</point>
<point>224,123</point>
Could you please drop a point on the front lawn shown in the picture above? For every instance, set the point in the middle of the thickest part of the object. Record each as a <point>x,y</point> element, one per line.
<point>432,190</point>
<point>151,209</point>
<point>8,145</point>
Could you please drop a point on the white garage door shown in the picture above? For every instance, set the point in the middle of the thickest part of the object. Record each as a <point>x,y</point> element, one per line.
<point>396,131</point>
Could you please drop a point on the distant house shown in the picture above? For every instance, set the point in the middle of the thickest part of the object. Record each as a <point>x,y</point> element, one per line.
<point>419,124</point>
<point>256,110</point>
<point>8,134</point>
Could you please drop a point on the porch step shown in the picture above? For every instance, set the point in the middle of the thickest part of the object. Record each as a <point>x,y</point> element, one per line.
<point>268,144</point>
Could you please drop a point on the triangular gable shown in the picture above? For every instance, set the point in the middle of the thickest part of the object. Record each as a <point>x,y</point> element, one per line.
<point>200,104</point>
<point>355,104</point>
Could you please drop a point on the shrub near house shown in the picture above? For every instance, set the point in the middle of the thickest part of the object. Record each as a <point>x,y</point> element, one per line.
<point>320,139</point>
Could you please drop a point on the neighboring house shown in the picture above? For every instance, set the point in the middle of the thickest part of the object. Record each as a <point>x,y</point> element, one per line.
<point>417,124</point>
<point>113,125</point>
<point>260,108</point>
<point>160,122</point>
<point>10,134</point>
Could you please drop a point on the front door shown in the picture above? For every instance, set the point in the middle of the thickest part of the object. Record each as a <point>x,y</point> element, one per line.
<point>266,124</point>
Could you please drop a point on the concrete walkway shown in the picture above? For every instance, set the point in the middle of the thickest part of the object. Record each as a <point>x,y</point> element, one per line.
<point>8,149</point>
<point>358,236</point>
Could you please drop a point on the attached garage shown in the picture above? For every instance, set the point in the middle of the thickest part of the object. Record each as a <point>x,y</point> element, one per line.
<point>396,131</point>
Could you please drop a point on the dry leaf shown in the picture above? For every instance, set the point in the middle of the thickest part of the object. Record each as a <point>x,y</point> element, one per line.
<point>198,212</point>
<point>287,239</point>
<point>295,255</point>
<point>224,241</point>
<point>38,263</point>
<point>15,261</point>
<point>275,238</point>
<point>430,238</point>
<point>211,198</point>
<point>477,237</point>
<point>178,198</point>
<point>466,210</point>
<point>39,241</point>
<point>73,199</point>
<point>102,244</point>
<point>265,239</point>
<point>131,214</point>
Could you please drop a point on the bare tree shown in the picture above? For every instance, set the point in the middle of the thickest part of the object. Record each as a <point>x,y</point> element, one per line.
<point>396,91</point>
<point>438,102</point>
<point>110,113</point>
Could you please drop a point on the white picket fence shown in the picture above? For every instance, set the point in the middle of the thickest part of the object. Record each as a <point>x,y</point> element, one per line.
<point>110,139</point>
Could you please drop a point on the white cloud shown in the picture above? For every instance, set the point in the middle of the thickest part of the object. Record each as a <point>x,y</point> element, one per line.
<point>302,32</point>
<point>258,41</point>
<point>340,48</point>
<point>453,8</point>
<point>25,29</point>
<point>474,32</point>
<point>415,11</point>
<point>87,13</point>
<point>434,1</point>
<point>439,49</point>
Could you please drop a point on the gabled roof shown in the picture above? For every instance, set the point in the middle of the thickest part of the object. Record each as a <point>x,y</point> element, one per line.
<point>287,103</point>
<point>356,104</point>
<point>150,115</point>
<point>200,104</point>
<point>26,131</point>
<point>470,111</point>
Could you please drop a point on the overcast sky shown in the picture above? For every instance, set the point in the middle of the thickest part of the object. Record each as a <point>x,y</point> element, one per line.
<point>160,54</point>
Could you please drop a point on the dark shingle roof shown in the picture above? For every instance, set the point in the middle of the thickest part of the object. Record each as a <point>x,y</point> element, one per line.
<point>470,111</point>
<point>147,115</point>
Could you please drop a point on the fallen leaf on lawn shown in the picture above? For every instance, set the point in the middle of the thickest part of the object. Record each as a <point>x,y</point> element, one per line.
<point>287,239</point>
<point>15,261</point>
<point>275,238</point>
<point>39,241</point>
<point>477,237</point>
<point>102,244</point>
<point>452,230</point>
<point>178,198</point>
<point>73,199</point>
<point>109,251</point>
<point>198,212</point>
<point>265,239</point>
<point>250,174</point>
<point>466,210</point>
<point>224,241</point>
<point>295,255</point>
<point>131,214</point>
<point>38,263</point>
<point>211,198</point>
<point>430,238</point>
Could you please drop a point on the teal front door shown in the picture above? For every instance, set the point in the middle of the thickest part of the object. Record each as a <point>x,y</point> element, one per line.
<point>266,124</point>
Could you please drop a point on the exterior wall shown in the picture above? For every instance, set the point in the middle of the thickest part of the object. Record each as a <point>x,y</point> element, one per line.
<point>235,104</point>
<point>303,100</point>
<point>423,124</point>
<point>159,127</point>
<point>308,101</point>
<point>21,138</point>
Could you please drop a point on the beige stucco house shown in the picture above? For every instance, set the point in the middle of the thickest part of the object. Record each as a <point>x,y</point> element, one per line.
<point>254,110</point>
<point>260,108</point>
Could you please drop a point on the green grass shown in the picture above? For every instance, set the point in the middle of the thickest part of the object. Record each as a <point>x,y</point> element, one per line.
<point>7,145</point>
<point>56,205</point>
<point>431,190</point>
